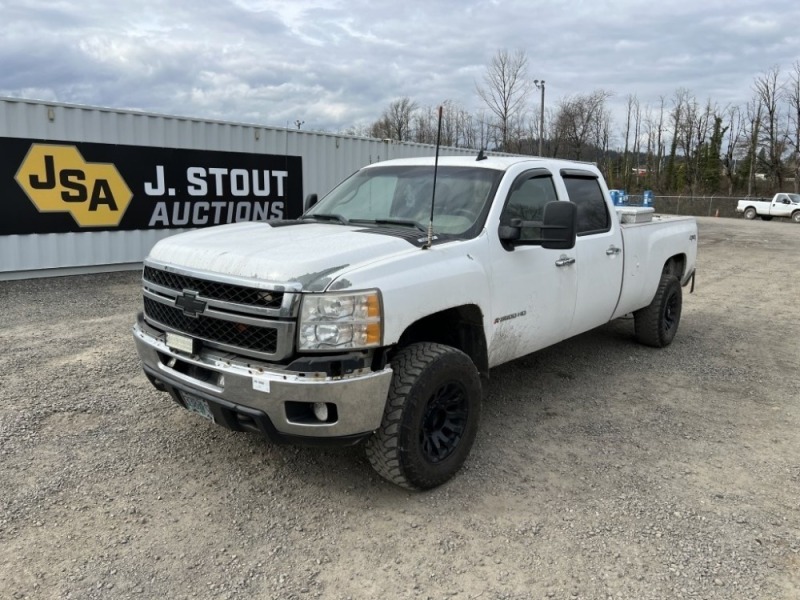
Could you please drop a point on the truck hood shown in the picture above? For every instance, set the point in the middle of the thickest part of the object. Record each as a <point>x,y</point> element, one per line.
<point>310,255</point>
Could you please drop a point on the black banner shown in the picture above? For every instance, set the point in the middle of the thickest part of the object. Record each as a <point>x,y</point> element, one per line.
<point>60,187</point>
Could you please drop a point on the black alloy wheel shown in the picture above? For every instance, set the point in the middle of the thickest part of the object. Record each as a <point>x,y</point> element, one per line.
<point>444,422</point>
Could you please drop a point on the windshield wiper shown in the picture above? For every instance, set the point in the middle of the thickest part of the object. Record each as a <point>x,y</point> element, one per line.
<point>404,222</point>
<point>327,217</point>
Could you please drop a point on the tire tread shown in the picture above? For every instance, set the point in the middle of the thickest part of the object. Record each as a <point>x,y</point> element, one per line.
<point>647,321</point>
<point>383,448</point>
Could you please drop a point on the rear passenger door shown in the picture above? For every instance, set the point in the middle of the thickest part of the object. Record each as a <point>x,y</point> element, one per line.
<point>598,252</point>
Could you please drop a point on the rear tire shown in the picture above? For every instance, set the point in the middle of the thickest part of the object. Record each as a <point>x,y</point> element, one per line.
<point>431,417</point>
<point>656,324</point>
<point>796,216</point>
<point>750,213</point>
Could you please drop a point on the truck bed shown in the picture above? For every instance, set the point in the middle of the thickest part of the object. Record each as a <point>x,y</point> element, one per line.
<point>646,244</point>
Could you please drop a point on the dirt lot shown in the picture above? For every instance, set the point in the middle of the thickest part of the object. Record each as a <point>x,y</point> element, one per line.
<point>602,468</point>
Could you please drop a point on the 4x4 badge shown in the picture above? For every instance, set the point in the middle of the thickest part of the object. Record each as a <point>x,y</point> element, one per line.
<point>189,304</point>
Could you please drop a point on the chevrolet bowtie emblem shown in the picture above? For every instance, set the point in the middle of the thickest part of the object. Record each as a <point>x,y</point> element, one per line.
<point>189,304</point>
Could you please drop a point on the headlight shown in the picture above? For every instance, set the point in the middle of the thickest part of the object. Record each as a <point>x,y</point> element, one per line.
<point>340,321</point>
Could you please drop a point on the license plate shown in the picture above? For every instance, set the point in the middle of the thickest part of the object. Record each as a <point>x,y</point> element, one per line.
<point>181,342</point>
<point>197,405</point>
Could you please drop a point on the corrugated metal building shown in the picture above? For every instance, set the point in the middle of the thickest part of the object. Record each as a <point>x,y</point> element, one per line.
<point>31,130</point>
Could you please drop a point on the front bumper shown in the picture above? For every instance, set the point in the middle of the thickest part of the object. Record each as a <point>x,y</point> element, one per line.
<point>254,396</point>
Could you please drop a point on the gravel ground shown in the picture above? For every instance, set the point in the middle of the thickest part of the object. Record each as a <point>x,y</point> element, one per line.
<point>602,469</point>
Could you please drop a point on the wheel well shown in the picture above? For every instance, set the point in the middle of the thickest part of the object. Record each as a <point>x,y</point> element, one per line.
<point>675,265</point>
<point>460,327</point>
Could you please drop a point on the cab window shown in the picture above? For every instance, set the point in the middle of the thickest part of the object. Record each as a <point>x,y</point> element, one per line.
<point>527,201</point>
<point>586,194</point>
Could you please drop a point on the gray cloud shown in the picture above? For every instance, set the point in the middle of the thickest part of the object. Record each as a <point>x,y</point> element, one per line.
<point>334,64</point>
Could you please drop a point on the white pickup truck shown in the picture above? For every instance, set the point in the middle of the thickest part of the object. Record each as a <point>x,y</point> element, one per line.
<point>358,322</point>
<point>781,205</point>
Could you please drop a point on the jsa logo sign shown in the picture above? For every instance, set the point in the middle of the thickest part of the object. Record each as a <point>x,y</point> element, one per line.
<point>58,179</point>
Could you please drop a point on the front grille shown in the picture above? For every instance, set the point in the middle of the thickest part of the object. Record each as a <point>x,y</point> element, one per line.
<point>250,337</point>
<point>233,317</point>
<point>214,290</point>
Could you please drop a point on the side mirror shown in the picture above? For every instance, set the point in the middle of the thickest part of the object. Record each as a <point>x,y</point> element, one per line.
<point>559,228</point>
<point>310,201</point>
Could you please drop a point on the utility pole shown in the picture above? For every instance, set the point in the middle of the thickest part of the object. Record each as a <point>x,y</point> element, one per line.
<point>540,86</point>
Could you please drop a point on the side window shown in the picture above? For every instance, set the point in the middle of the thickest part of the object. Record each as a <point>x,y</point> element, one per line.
<point>526,201</point>
<point>586,194</point>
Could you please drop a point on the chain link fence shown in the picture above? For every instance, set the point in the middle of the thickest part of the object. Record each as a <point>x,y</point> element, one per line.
<point>696,206</point>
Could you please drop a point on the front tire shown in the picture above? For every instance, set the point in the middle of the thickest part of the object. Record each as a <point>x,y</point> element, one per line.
<point>750,213</point>
<point>656,324</point>
<point>431,417</point>
<point>796,216</point>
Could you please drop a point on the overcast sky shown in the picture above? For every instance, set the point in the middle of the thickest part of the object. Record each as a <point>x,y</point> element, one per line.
<point>335,64</point>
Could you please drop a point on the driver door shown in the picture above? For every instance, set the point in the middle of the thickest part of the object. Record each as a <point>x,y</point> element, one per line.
<point>533,288</point>
<point>781,207</point>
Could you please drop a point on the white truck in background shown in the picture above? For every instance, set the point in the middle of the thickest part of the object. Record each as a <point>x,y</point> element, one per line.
<point>782,205</point>
<point>359,323</point>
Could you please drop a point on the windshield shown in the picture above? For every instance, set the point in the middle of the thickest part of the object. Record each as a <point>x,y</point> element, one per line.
<point>401,195</point>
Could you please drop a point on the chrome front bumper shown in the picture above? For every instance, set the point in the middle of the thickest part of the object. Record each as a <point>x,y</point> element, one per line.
<point>248,395</point>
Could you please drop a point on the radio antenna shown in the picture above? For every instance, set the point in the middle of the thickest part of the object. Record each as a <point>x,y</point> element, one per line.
<point>429,243</point>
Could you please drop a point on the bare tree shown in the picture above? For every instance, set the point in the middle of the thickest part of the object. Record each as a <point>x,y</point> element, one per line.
<point>754,111</point>
<point>380,129</point>
<point>483,129</point>
<point>691,127</point>
<point>460,126</point>
<point>449,124</point>
<point>637,141</point>
<point>463,130</point>
<point>506,89</point>
<point>395,122</point>
<point>625,165</point>
<point>601,139</point>
<point>425,125</point>
<point>735,130</point>
<point>554,135</point>
<point>399,114</point>
<point>697,125</point>
<point>769,93</point>
<point>691,133</point>
<point>676,119</point>
<point>660,141</point>
<point>576,119</point>
<point>653,133</point>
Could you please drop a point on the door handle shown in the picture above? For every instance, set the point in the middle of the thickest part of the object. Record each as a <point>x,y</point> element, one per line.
<point>565,261</point>
<point>612,250</point>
